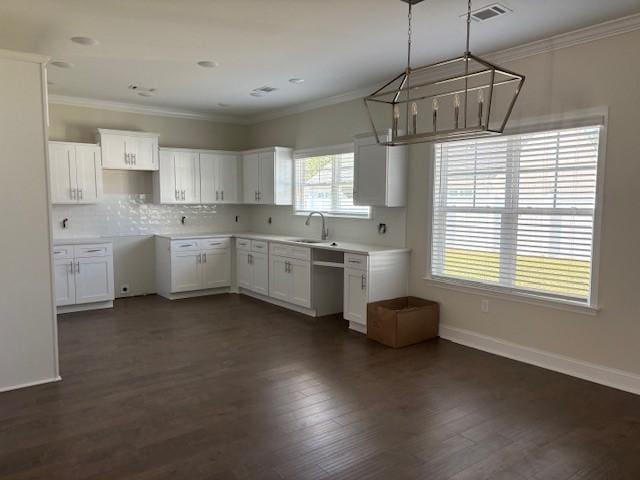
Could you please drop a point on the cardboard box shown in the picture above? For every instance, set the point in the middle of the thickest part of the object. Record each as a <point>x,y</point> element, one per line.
<point>402,321</point>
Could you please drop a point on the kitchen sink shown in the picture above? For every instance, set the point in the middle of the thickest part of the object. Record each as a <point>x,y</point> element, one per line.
<point>307,240</point>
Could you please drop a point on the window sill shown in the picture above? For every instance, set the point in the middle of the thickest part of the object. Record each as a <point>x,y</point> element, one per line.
<point>531,299</point>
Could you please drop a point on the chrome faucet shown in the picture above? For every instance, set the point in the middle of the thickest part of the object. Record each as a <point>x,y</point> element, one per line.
<point>325,232</point>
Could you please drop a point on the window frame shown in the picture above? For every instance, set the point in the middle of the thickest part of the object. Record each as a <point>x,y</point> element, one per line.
<point>317,152</point>
<point>583,118</point>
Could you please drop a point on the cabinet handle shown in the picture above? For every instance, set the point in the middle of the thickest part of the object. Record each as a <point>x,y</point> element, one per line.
<point>80,194</point>
<point>222,195</point>
<point>204,258</point>
<point>95,250</point>
<point>135,159</point>
<point>217,194</point>
<point>183,195</point>
<point>255,195</point>
<point>364,281</point>
<point>176,194</point>
<point>259,196</point>
<point>71,266</point>
<point>78,268</point>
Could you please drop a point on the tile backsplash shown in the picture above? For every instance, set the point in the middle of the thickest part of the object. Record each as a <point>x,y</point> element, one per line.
<point>135,214</point>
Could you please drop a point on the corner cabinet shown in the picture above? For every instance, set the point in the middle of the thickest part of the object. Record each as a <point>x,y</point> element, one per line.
<point>267,176</point>
<point>380,173</point>
<point>75,173</point>
<point>192,267</point>
<point>125,150</point>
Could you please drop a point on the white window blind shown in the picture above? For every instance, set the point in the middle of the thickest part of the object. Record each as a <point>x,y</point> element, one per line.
<point>517,212</point>
<point>324,182</point>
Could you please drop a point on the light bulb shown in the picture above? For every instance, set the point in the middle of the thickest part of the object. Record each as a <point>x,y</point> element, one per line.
<point>414,109</point>
<point>481,96</point>
<point>456,101</point>
<point>396,112</point>
<point>436,105</point>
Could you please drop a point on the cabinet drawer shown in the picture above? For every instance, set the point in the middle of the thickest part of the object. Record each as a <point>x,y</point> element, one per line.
<point>61,252</point>
<point>290,251</point>
<point>352,260</point>
<point>259,246</point>
<point>243,244</point>
<point>184,246</point>
<point>100,250</point>
<point>211,243</point>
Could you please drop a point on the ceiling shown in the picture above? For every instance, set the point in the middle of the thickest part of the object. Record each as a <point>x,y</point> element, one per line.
<point>336,46</point>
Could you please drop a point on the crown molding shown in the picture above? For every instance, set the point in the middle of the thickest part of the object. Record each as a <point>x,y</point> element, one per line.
<point>23,56</point>
<point>144,109</point>
<point>581,36</point>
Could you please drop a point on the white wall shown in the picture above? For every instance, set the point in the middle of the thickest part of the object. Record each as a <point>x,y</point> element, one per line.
<point>28,348</point>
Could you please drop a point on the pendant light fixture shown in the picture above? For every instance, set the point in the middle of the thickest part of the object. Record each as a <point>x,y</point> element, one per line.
<point>456,99</point>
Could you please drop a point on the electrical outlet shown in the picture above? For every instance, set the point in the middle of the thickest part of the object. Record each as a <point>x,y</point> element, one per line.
<point>382,228</point>
<point>124,289</point>
<point>484,305</point>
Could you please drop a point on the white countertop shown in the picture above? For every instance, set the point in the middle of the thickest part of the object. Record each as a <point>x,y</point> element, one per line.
<point>81,240</point>
<point>340,246</point>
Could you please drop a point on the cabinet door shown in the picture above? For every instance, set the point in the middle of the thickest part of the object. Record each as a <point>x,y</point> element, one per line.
<point>88,174</point>
<point>355,295</point>
<point>251,177</point>
<point>244,269</point>
<point>300,275</point>
<point>186,271</point>
<point>227,178</point>
<point>62,178</point>
<point>167,178</point>
<point>64,282</point>
<point>114,151</point>
<point>260,273</point>
<point>146,152</point>
<point>266,190</point>
<point>187,176</point>
<point>216,268</point>
<point>370,173</point>
<point>209,192</point>
<point>279,278</point>
<point>94,279</point>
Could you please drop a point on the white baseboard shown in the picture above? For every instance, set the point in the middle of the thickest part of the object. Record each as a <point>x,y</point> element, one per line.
<point>194,294</point>
<point>289,306</point>
<point>84,307</point>
<point>358,327</point>
<point>30,384</point>
<point>619,379</point>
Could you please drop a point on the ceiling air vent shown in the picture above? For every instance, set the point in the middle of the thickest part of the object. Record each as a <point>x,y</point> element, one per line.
<point>489,11</point>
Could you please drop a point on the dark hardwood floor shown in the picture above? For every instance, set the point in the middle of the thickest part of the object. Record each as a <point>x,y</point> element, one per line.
<point>228,387</point>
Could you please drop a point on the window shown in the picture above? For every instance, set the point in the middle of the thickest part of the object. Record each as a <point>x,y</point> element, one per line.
<point>324,182</point>
<point>517,212</point>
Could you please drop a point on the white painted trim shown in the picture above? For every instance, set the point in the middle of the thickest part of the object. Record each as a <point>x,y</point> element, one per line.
<point>619,379</point>
<point>30,384</point>
<point>581,36</point>
<point>23,56</point>
<point>327,150</point>
<point>84,307</point>
<point>144,109</point>
<point>195,293</point>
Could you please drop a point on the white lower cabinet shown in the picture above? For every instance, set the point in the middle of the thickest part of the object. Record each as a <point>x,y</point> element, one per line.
<point>83,274</point>
<point>252,266</point>
<point>290,274</point>
<point>355,295</point>
<point>192,266</point>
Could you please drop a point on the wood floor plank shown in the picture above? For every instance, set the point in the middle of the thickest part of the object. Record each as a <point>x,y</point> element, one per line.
<point>228,387</point>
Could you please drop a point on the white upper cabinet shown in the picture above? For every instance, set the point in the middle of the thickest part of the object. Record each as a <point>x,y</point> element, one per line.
<point>219,177</point>
<point>267,176</point>
<point>178,178</point>
<point>124,150</point>
<point>75,175</point>
<point>380,173</point>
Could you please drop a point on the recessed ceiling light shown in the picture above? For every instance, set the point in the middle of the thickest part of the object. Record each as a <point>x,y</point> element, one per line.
<point>87,41</point>
<point>257,94</point>
<point>208,64</point>
<point>296,81</point>
<point>223,105</point>
<point>61,64</point>
<point>147,93</point>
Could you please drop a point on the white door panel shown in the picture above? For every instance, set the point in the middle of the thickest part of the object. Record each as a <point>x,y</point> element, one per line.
<point>94,279</point>
<point>186,272</point>
<point>300,273</point>
<point>61,173</point>
<point>216,268</point>
<point>279,278</point>
<point>355,296</point>
<point>260,266</point>
<point>65,287</point>
<point>244,270</point>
